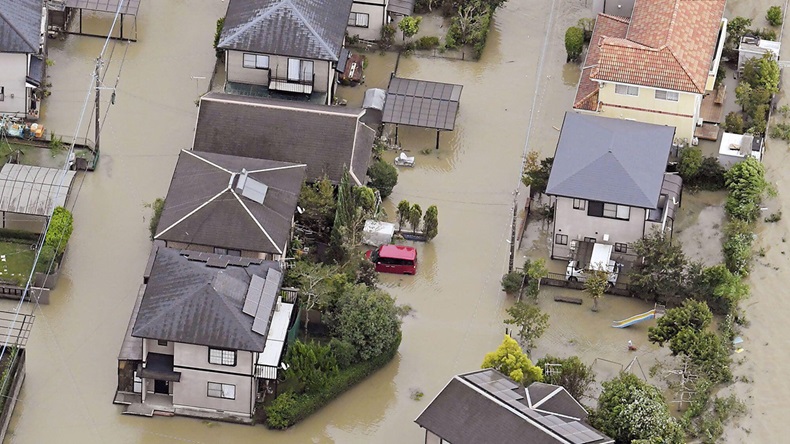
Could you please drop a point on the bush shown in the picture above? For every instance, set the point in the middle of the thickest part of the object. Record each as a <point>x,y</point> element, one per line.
<point>345,353</point>
<point>572,374</point>
<point>427,42</point>
<point>746,184</point>
<point>574,43</point>
<point>733,123</point>
<point>311,364</point>
<point>157,207</point>
<point>766,34</point>
<point>383,177</point>
<point>774,15</point>
<point>738,247</point>
<point>59,231</point>
<point>283,413</point>
<point>512,282</point>
<point>220,53</point>
<point>710,175</point>
<point>690,163</point>
<point>387,36</point>
<point>45,258</point>
<point>9,235</point>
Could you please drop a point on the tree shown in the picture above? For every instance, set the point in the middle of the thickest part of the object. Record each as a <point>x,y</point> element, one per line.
<point>736,29</point>
<point>660,273</point>
<point>383,177</point>
<point>415,214</point>
<point>692,314</point>
<point>762,73</point>
<point>317,202</point>
<point>572,374</point>
<point>529,321</point>
<point>513,282</point>
<point>534,271</point>
<point>431,222</point>
<point>409,26</point>
<point>774,15</point>
<point>574,43</point>
<point>509,359</point>
<point>746,184</point>
<point>536,176</point>
<point>220,53</point>
<point>354,206</point>
<point>629,409</point>
<point>690,162</point>
<point>404,211</point>
<point>733,123</point>
<point>314,284</point>
<point>595,285</point>
<point>311,364</point>
<point>365,318</point>
<point>61,225</point>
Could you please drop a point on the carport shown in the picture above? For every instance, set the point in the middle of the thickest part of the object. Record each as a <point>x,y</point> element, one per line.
<point>29,194</point>
<point>127,7</point>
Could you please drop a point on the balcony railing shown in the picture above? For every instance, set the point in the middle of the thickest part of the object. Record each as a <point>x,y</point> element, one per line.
<point>280,82</point>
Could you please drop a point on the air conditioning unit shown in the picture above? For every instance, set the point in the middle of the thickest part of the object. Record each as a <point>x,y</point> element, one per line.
<point>695,141</point>
<point>606,238</point>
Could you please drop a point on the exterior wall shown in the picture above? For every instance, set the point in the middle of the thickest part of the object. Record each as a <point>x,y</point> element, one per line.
<point>377,19</point>
<point>13,70</point>
<point>206,249</point>
<point>278,65</point>
<point>196,372</point>
<point>646,108</point>
<point>24,222</point>
<point>717,57</point>
<point>431,438</point>
<point>577,225</point>
<point>152,345</point>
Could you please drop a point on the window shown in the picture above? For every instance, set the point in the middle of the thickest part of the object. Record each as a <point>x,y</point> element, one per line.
<point>620,248</point>
<point>300,70</point>
<point>667,95</point>
<point>224,391</point>
<point>579,204</point>
<point>256,61</point>
<point>561,239</point>
<point>162,343</point>
<point>627,90</point>
<point>222,357</point>
<point>613,211</point>
<point>590,239</point>
<point>2,93</point>
<point>358,20</point>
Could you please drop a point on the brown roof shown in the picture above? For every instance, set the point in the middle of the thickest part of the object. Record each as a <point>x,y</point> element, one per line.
<point>605,25</point>
<point>669,44</point>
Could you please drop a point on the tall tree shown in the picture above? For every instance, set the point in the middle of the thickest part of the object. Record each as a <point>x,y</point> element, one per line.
<point>660,273</point>
<point>431,222</point>
<point>595,285</point>
<point>317,202</point>
<point>409,26</point>
<point>509,359</point>
<point>404,211</point>
<point>529,321</point>
<point>314,286</point>
<point>415,214</point>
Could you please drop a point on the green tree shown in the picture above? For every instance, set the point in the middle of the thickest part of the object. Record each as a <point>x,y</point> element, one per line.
<point>690,163</point>
<point>736,29</point>
<point>595,285</point>
<point>574,43</point>
<point>404,211</point>
<point>409,26</point>
<point>746,184</point>
<point>660,273</point>
<point>354,206</point>
<point>316,283</point>
<point>431,222</point>
<point>220,53</point>
<point>759,120</point>
<point>737,246</point>
<point>365,318</point>
<point>536,176</point>
<point>415,214</point>
<point>383,177</point>
<point>733,123</point>
<point>570,373</point>
<point>509,359</point>
<point>513,282</point>
<point>311,364</point>
<point>387,37</point>
<point>692,314</point>
<point>61,225</point>
<point>762,73</point>
<point>774,15</point>
<point>629,409</point>
<point>529,321</point>
<point>318,205</point>
<point>534,270</point>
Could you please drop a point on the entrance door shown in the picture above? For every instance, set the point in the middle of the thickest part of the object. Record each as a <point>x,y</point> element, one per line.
<point>162,387</point>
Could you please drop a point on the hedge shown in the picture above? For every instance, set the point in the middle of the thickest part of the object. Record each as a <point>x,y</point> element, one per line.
<point>9,235</point>
<point>289,408</point>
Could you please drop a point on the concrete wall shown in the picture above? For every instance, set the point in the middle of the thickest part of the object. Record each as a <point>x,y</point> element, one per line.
<point>644,107</point>
<point>377,18</point>
<point>191,391</point>
<point>17,378</point>
<point>576,223</point>
<point>13,70</point>
<point>278,65</point>
<point>24,222</point>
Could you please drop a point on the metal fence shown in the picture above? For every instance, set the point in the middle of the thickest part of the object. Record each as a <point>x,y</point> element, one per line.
<point>559,280</point>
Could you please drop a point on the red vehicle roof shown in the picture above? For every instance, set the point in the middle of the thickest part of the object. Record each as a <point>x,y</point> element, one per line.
<point>398,252</point>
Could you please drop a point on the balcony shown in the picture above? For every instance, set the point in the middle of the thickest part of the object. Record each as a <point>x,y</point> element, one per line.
<point>299,81</point>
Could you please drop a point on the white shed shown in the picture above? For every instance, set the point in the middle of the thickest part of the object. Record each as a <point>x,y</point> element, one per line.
<point>735,147</point>
<point>377,233</point>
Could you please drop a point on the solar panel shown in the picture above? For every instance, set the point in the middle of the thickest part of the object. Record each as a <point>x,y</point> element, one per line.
<point>268,298</point>
<point>253,297</point>
<point>575,432</point>
<point>217,262</point>
<point>251,188</point>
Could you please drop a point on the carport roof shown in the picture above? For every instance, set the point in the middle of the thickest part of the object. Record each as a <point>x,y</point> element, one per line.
<point>33,190</point>
<point>422,103</point>
<point>129,6</point>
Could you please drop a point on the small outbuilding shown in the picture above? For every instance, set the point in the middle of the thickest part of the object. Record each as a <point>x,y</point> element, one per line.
<point>29,194</point>
<point>377,233</point>
<point>735,147</point>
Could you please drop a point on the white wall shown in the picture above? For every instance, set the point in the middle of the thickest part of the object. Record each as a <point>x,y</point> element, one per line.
<point>278,65</point>
<point>13,70</point>
<point>152,346</point>
<point>377,18</point>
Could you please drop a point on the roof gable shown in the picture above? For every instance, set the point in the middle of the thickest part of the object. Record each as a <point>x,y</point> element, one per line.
<point>313,29</point>
<point>610,160</point>
<point>20,26</point>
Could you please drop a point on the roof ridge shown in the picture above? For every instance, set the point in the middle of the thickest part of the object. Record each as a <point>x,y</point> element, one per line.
<point>257,222</point>
<point>192,153</point>
<point>628,173</point>
<point>309,25</point>
<point>244,28</point>
<point>18,32</point>
<point>685,71</point>
<point>200,207</point>
<point>671,26</point>
<point>174,302</point>
<point>616,17</point>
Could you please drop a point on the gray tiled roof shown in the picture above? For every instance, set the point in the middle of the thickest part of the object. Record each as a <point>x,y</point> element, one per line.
<point>191,302</point>
<point>20,25</point>
<point>328,139</point>
<point>555,399</point>
<point>310,29</point>
<point>203,207</point>
<point>610,160</point>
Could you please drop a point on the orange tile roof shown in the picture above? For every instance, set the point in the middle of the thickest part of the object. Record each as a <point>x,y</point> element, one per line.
<point>605,25</point>
<point>669,44</point>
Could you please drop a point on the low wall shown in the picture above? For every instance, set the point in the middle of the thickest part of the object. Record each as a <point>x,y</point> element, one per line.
<point>558,280</point>
<point>16,386</point>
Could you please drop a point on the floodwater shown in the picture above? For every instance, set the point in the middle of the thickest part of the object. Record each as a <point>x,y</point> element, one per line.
<point>458,307</point>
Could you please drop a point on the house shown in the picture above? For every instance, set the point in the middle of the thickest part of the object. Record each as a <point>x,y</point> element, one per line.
<point>656,66</point>
<point>486,406</point>
<point>329,140</point>
<point>218,203</point>
<point>368,17</point>
<point>23,25</point>
<point>284,46</point>
<point>608,182</point>
<point>206,336</point>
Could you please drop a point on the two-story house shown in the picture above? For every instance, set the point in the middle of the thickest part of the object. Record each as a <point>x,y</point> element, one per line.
<point>328,139</point>
<point>608,183</point>
<point>368,17</point>
<point>23,25</point>
<point>206,337</point>
<point>239,206</point>
<point>485,406</point>
<point>656,66</point>
<point>284,46</point>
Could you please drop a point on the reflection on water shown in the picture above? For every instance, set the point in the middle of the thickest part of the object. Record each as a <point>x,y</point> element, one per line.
<point>571,72</point>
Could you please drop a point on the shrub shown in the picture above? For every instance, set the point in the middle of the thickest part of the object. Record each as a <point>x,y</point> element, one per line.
<point>512,282</point>
<point>574,43</point>
<point>45,258</point>
<point>280,412</point>
<point>311,364</point>
<point>690,163</point>
<point>427,42</point>
<point>738,247</point>
<point>59,231</point>
<point>766,34</point>
<point>572,374</point>
<point>710,175</point>
<point>220,53</point>
<point>345,353</point>
<point>383,177</point>
<point>387,36</point>
<point>759,122</point>
<point>774,15</point>
<point>157,207</point>
<point>733,123</point>
<point>746,184</point>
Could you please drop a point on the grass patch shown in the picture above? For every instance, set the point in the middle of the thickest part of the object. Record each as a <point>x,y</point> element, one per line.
<point>16,261</point>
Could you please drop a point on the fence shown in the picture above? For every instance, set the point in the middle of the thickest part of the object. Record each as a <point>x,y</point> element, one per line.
<point>559,280</point>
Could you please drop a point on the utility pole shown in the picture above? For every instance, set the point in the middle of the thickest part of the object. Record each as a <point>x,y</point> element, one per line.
<point>513,233</point>
<point>98,103</point>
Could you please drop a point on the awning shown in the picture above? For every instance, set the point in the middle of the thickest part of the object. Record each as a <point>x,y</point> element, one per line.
<point>129,6</point>
<point>160,367</point>
<point>36,72</point>
<point>422,103</point>
<point>33,190</point>
<point>401,7</point>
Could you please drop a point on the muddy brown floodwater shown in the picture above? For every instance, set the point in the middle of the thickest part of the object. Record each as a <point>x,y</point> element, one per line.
<point>458,307</point>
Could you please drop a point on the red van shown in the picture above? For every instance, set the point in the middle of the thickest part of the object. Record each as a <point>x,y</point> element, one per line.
<point>394,259</point>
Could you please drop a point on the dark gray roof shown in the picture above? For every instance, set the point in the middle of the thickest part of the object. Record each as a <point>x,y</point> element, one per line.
<point>204,207</point>
<point>402,7</point>
<point>310,29</point>
<point>20,25</point>
<point>191,298</point>
<point>554,399</point>
<point>486,406</point>
<point>329,139</point>
<point>422,103</point>
<point>129,6</point>
<point>610,160</point>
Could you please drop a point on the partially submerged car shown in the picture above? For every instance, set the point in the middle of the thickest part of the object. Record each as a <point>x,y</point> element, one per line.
<point>397,259</point>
